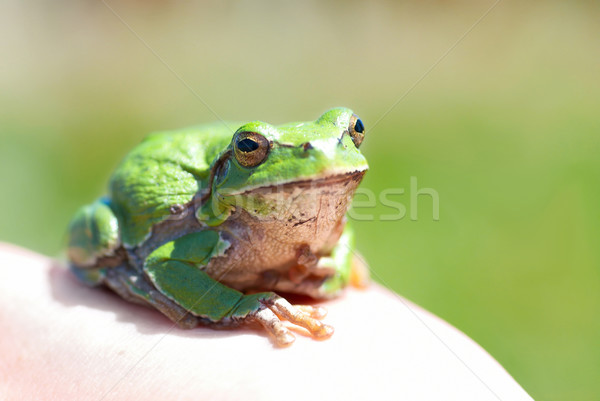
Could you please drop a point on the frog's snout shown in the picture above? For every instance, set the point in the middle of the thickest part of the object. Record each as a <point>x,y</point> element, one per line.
<point>334,153</point>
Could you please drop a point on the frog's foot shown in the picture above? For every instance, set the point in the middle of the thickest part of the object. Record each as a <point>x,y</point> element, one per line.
<point>302,315</point>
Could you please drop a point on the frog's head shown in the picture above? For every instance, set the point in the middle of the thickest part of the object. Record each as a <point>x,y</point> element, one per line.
<point>294,167</point>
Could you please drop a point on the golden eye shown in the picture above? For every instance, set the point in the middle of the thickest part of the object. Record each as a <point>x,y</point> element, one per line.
<point>250,148</point>
<point>356,129</point>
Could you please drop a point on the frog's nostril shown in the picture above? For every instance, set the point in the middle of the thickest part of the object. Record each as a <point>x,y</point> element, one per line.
<point>307,146</point>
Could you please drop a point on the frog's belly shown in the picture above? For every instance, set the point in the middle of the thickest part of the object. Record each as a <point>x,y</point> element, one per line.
<point>266,249</point>
<point>262,257</point>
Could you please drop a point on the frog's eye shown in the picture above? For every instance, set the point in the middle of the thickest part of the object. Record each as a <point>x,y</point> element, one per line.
<point>250,148</point>
<point>356,129</point>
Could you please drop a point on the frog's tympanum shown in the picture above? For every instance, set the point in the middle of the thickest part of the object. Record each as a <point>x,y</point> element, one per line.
<point>208,226</point>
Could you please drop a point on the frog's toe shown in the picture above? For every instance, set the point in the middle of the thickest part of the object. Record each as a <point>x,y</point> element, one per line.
<point>316,312</point>
<point>270,321</point>
<point>299,317</point>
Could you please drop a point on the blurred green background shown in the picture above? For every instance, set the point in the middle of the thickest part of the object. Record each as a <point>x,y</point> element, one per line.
<point>506,130</point>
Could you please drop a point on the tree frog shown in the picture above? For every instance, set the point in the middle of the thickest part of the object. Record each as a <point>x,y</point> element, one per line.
<point>208,225</point>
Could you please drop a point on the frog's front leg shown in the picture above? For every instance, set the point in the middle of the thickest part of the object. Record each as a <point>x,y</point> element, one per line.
<point>133,287</point>
<point>175,270</point>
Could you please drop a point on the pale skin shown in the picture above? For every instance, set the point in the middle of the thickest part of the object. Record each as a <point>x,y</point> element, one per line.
<point>62,341</point>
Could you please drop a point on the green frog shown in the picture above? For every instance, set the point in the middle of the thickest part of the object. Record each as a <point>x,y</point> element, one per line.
<point>209,227</point>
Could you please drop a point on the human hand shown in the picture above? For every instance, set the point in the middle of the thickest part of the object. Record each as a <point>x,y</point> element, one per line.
<point>61,341</point>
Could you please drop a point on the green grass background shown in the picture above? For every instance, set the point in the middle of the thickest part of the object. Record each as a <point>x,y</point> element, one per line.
<point>505,128</point>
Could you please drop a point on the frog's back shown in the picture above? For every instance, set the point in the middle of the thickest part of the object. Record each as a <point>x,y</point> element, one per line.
<point>165,169</point>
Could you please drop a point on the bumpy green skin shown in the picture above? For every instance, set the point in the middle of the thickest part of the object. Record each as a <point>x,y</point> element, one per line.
<point>174,168</point>
<point>165,169</point>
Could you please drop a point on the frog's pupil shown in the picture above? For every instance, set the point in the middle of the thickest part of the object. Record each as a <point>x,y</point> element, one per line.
<point>359,127</point>
<point>247,145</point>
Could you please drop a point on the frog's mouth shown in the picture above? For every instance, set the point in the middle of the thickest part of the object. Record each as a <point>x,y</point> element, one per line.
<point>320,203</point>
<point>349,180</point>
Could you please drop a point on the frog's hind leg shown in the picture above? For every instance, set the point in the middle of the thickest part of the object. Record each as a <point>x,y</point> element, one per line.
<point>97,257</point>
<point>94,244</point>
<point>93,234</point>
<point>134,287</point>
